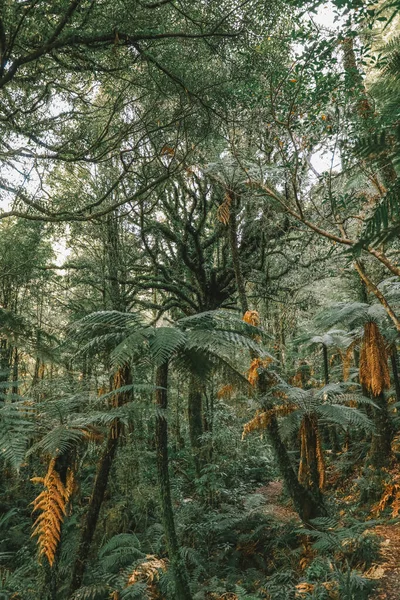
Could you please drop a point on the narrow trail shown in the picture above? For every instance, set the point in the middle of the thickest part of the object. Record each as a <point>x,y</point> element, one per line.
<point>388,571</point>
<point>272,493</point>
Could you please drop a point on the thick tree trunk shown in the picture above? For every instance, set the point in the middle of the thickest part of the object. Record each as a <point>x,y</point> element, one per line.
<point>307,506</point>
<point>381,445</point>
<point>182,590</point>
<point>195,415</point>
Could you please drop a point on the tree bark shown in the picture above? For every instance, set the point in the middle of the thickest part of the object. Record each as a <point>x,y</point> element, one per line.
<point>395,370</point>
<point>99,489</point>
<point>182,590</point>
<point>381,445</point>
<point>307,506</point>
<point>234,245</point>
<point>195,415</point>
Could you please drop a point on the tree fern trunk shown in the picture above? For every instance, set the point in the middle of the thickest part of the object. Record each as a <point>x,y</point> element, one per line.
<point>307,506</point>
<point>395,370</point>
<point>182,590</point>
<point>381,445</point>
<point>195,415</point>
<point>99,489</point>
<point>95,503</point>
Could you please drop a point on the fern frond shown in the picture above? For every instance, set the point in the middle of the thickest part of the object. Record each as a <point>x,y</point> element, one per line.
<point>16,429</point>
<point>51,503</point>
<point>119,552</point>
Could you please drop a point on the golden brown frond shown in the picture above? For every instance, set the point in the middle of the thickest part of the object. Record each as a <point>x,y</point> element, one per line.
<point>149,572</point>
<point>347,358</point>
<point>51,503</point>
<point>262,419</point>
<point>225,392</point>
<point>257,423</point>
<point>374,369</point>
<point>311,453</point>
<point>102,390</point>
<point>252,318</point>
<point>320,461</point>
<point>224,210</point>
<point>390,497</point>
<point>256,364</point>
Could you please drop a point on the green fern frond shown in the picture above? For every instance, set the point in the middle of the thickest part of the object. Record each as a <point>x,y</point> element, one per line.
<point>119,552</point>
<point>16,429</point>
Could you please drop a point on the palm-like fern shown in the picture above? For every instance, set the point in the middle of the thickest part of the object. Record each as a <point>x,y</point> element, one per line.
<point>304,411</point>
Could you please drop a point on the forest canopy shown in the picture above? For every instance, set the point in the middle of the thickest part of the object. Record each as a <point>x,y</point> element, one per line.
<point>199,300</point>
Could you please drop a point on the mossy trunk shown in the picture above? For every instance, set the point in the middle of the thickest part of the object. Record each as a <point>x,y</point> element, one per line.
<point>195,416</point>
<point>92,515</point>
<point>395,370</point>
<point>381,444</point>
<point>182,590</point>
<point>306,504</point>
<point>99,488</point>
<point>309,474</point>
<point>234,246</point>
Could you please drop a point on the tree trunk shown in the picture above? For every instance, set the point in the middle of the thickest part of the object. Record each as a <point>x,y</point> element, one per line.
<point>381,445</point>
<point>99,488</point>
<point>15,373</point>
<point>326,363</point>
<point>307,506</point>
<point>182,590</point>
<point>233,240</point>
<point>395,370</point>
<point>195,415</point>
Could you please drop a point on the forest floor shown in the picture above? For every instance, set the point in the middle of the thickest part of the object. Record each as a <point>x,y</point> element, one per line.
<point>388,571</point>
<point>273,493</point>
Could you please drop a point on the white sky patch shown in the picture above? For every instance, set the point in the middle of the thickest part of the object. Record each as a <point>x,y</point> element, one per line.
<point>61,249</point>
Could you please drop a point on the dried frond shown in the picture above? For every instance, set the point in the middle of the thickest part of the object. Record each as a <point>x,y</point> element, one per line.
<point>311,452</point>
<point>320,461</point>
<point>252,318</point>
<point>225,392</point>
<point>257,423</point>
<point>374,369</point>
<point>168,150</point>
<point>390,497</point>
<point>256,364</point>
<point>262,419</point>
<point>224,210</point>
<point>347,358</point>
<point>102,390</point>
<point>51,503</point>
<point>304,589</point>
<point>149,572</point>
